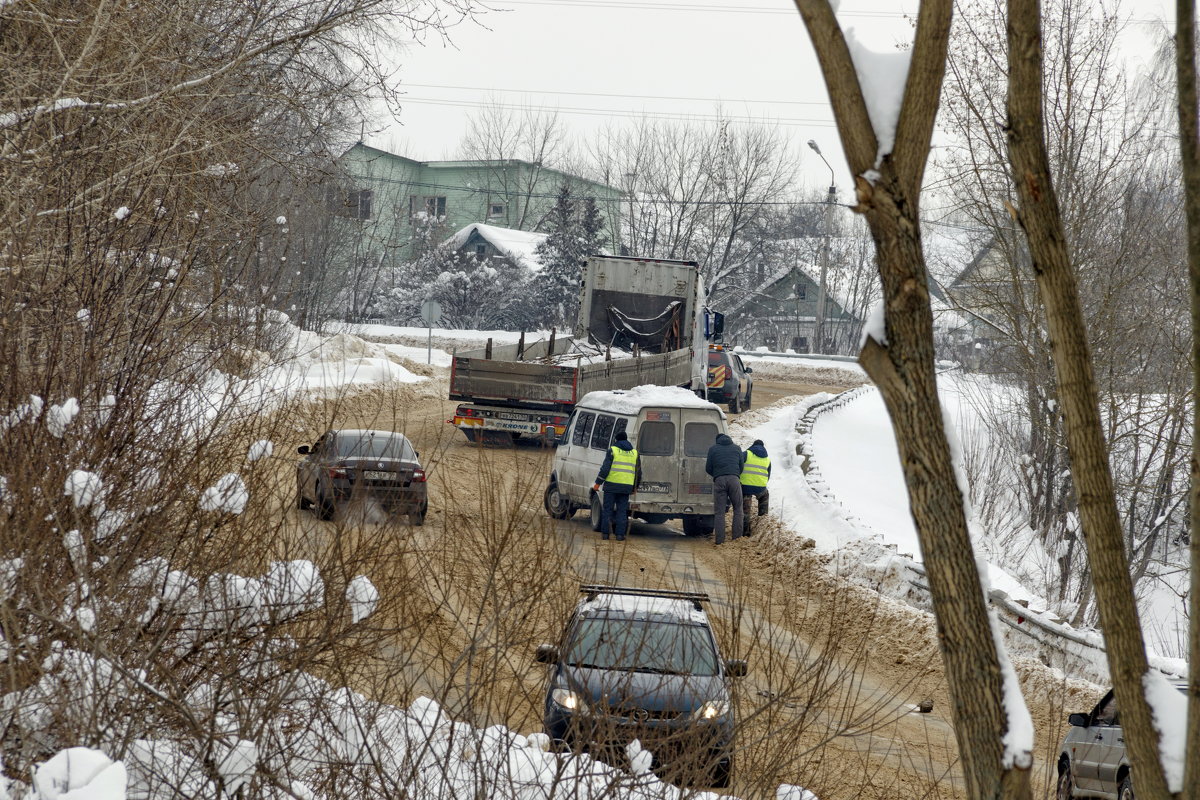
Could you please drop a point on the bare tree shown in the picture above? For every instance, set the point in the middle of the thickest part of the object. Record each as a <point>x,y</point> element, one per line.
<point>888,165</point>
<point>1187,109</point>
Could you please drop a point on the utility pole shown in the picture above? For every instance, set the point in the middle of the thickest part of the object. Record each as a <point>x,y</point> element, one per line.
<point>822,288</point>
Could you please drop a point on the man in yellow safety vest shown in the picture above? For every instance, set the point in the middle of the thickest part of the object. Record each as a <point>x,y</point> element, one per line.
<point>620,474</point>
<point>756,471</point>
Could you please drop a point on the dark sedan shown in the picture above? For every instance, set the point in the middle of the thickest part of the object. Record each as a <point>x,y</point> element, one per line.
<point>342,465</point>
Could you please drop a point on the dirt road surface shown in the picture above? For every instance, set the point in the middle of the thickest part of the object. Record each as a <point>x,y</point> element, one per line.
<point>835,674</point>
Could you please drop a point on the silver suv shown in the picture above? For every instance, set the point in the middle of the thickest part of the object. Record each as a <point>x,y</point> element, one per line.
<point>1092,760</point>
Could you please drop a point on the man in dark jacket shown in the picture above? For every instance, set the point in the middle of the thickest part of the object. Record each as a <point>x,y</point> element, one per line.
<point>756,471</point>
<point>620,474</point>
<point>724,464</point>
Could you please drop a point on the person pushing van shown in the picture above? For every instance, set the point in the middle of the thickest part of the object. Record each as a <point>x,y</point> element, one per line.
<point>756,471</point>
<point>724,464</point>
<point>620,473</point>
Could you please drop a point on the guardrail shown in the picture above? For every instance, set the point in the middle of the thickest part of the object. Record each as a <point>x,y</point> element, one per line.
<point>1053,641</point>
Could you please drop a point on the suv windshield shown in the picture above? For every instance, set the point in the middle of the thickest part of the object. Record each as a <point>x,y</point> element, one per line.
<point>377,446</point>
<point>642,646</point>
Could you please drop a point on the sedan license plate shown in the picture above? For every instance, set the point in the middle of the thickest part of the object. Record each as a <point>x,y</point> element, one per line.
<point>378,475</point>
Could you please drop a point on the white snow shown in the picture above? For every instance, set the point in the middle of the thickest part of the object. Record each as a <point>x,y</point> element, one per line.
<point>260,449</point>
<point>60,416</point>
<point>882,76</point>
<point>84,316</point>
<point>875,326</point>
<point>122,212</point>
<point>79,773</point>
<point>634,400</point>
<point>1168,708</point>
<point>517,246</point>
<point>83,487</point>
<point>227,495</point>
<point>363,597</point>
<point>237,765</point>
<point>281,220</point>
<point>789,792</point>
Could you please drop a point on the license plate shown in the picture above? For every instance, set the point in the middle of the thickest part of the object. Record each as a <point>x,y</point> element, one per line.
<point>378,475</point>
<point>654,488</point>
<point>510,415</point>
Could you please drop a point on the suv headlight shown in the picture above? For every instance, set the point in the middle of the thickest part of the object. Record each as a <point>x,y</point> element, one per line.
<point>571,701</point>
<point>713,709</point>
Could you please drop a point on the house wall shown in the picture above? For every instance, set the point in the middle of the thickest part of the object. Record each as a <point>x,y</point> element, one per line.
<point>469,188</point>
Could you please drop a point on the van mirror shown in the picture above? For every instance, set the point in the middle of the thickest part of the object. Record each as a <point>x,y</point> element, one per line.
<point>1078,720</point>
<point>748,369</point>
<point>546,654</point>
<point>736,668</point>
<point>302,449</point>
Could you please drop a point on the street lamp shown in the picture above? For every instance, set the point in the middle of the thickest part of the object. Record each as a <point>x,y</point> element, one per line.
<point>830,201</point>
<point>630,177</point>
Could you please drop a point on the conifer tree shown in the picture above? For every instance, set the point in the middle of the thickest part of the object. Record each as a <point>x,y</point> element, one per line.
<point>561,255</point>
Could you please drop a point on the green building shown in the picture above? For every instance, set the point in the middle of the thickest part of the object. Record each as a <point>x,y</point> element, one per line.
<point>393,202</point>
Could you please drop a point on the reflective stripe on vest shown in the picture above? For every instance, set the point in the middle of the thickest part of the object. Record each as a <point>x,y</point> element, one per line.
<point>755,470</point>
<point>624,466</point>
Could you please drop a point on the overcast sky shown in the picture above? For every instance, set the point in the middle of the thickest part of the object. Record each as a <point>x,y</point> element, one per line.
<point>608,62</point>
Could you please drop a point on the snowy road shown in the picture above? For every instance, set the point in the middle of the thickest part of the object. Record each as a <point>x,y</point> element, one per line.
<point>490,575</point>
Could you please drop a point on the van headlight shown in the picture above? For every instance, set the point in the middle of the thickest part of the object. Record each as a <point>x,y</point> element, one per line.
<point>569,700</point>
<point>713,709</point>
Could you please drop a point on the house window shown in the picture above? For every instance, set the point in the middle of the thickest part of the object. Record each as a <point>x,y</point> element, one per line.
<point>481,249</point>
<point>495,210</point>
<point>428,206</point>
<point>359,203</point>
<point>355,203</point>
<point>801,291</point>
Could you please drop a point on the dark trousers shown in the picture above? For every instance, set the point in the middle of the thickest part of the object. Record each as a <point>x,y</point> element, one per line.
<point>615,503</point>
<point>727,493</point>
<point>764,499</point>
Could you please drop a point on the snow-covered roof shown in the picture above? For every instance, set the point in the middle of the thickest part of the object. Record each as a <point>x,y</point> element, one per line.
<point>634,400</point>
<point>518,246</point>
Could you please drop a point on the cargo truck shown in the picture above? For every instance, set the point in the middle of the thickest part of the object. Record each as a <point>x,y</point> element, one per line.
<point>641,321</point>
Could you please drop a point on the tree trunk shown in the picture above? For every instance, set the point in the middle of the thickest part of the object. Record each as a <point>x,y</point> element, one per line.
<point>1189,146</point>
<point>902,366</point>
<point>1040,218</point>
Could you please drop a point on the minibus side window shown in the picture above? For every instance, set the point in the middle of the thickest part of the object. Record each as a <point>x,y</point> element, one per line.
<point>583,428</point>
<point>602,433</point>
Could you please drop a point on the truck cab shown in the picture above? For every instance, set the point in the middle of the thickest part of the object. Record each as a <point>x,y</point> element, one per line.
<point>670,427</point>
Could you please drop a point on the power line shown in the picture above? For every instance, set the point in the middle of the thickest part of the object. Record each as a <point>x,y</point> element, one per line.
<point>656,115</point>
<point>608,94</point>
<point>554,195</point>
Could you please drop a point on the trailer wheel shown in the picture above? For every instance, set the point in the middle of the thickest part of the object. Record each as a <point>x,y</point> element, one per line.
<point>735,405</point>
<point>557,504</point>
<point>697,525</point>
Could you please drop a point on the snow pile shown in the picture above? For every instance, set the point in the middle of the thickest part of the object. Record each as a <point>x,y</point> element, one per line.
<point>260,449</point>
<point>79,773</point>
<point>83,487</point>
<point>227,495</point>
<point>363,598</point>
<point>639,397</point>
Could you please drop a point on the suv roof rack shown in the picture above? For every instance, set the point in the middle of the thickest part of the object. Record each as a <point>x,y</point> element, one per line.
<point>592,590</point>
